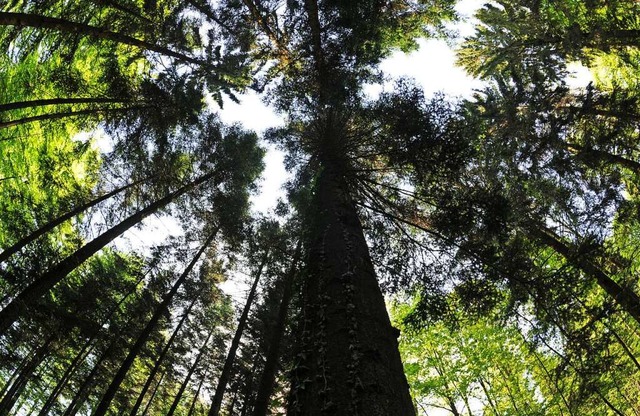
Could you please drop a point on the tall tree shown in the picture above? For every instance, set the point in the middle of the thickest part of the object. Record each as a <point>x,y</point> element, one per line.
<point>225,375</point>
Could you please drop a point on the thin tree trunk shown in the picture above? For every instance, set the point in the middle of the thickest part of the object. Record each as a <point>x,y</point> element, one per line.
<point>625,297</point>
<point>153,395</point>
<point>205,9</point>
<point>186,380</point>
<point>192,408</point>
<point>507,380</point>
<point>16,372</point>
<point>84,352</point>
<point>49,279</point>
<point>452,406</point>
<point>160,359</point>
<point>350,360</point>
<point>232,403</point>
<point>485,389</point>
<point>108,396</point>
<point>84,390</point>
<point>609,404</point>
<point>55,393</point>
<point>19,245</point>
<point>625,347</point>
<point>225,375</point>
<point>248,388</point>
<point>265,386</point>
<point>612,37</point>
<point>605,157</point>
<point>14,392</point>
<point>44,22</point>
<point>65,114</point>
<point>58,101</point>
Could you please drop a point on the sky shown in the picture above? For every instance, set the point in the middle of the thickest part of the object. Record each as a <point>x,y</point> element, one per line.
<point>432,66</point>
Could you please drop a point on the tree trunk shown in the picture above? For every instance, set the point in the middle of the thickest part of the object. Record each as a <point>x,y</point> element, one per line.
<point>13,393</point>
<point>605,157</point>
<point>84,390</point>
<point>204,7</point>
<point>247,393</point>
<point>192,408</point>
<point>17,370</point>
<point>625,347</point>
<point>103,406</point>
<point>232,403</point>
<point>265,386</point>
<point>604,39</point>
<point>44,22</point>
<point>65,114</point>
<point>186,380</point>
<point>48,280</point>
<point>160,359</point>
<point>225,375</point>
<point>249,378</point>
<point>624,297</point>
<point>153,395</point>
<point>55,393</point>
<point>19,245</point>
<point>84,352</point>
<point>58,101</point>
<point>349,361</point>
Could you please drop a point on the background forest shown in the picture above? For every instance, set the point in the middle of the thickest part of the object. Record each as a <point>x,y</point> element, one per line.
<point>500,231</point>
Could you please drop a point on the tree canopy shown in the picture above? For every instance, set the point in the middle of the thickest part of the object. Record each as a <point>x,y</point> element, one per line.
<point>468,256</point>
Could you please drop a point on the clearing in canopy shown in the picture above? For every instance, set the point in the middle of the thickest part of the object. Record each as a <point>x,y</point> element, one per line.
<point>431,255</point>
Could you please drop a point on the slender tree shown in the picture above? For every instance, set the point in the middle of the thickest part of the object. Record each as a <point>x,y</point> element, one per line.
<point>46,281</point>
<point>17,246</point>
<point>267,379</point>
<point>105,402</point>
<point>202,350</point>
<point>225,375</point>
<point>44,22</point>
<point>161,356</point>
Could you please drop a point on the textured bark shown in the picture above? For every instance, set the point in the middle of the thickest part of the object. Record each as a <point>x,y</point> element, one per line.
<point>265,386</point>
<point>49,279</point>
<point>161,309</point>
<point>19,245</point>
<point>44,22</point>
<point>225,375</point>
<point>160,359</point>
<point>349,361</point>
<point>186,380</point>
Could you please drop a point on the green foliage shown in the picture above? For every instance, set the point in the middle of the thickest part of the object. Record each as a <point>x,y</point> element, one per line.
<point>511,217</point>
